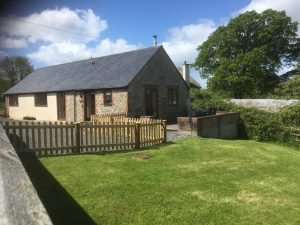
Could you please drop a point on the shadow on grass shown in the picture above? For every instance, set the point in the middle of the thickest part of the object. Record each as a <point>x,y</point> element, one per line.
<point>109,152</point>
<point>156,147</point>
<point>61,207</point>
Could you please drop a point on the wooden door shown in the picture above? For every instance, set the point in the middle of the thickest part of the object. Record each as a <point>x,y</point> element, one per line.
<point>61,106</point>
<point>89,106</point>
<point>151,107</point>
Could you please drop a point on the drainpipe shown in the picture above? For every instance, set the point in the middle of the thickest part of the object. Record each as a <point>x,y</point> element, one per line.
<point>186,77</point>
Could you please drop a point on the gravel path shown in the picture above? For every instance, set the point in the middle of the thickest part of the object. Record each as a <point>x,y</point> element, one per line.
<point>174,135</point>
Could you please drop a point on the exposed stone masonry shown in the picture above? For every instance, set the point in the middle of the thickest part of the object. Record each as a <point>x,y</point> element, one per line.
<point>119,102</point>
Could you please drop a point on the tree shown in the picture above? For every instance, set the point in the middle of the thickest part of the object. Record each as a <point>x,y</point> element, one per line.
<point>14,69</point>
<point>290,88</point>
<point>207,101</point>
<point>243,57</point>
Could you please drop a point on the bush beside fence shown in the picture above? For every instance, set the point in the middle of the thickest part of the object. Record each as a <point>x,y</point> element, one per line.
<point>261,125</point>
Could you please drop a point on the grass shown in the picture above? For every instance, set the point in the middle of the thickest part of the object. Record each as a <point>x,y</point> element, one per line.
<point>194,181</point>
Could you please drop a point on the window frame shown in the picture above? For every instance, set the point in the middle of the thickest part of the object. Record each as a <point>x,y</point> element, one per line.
<point>13,100</point>
<point>38,99</point>
<point>105,103</point>
<point>173,96</point>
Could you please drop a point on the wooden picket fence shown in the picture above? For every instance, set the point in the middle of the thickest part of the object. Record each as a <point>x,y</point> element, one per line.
<point>110,115</point>
<point>47,138</point>
<point>296,134</point>
<point>120,118</point>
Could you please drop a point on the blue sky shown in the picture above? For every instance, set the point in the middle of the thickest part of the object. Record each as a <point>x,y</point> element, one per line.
<point>108,27</point>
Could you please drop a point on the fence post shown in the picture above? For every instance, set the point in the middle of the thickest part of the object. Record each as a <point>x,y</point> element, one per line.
<point>137,135</point>
<point>77,136</point>
<point>164,124</point>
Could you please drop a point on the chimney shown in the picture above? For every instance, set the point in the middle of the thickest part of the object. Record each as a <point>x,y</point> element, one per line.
<point>186,73</point>
<point>154,40</point>
<point>92,61</point>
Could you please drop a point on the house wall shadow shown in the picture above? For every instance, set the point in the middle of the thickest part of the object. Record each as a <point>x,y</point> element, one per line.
<point>60,205</point>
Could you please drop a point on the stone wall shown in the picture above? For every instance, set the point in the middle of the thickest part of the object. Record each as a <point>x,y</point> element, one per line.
<point>161,73</point>
<point>119,102</point>
<point>69,106</point>
<point>222,125</point>
<point>271,105</point>
<point>19,202</point>
<point>78,98</point>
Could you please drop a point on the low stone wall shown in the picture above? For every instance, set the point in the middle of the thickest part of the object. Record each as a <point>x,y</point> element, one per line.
<point>222,125</point>
<point>271,105</point>
<point>19,202</point>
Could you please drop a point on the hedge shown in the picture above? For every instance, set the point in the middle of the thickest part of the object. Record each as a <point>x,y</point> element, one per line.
<point>260,125</point>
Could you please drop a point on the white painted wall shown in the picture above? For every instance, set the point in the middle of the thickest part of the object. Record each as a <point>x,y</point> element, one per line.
<point>27,108</point>
<point>271,105</point>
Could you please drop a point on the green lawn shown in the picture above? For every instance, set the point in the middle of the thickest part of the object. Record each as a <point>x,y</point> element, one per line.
<point>194,181</point>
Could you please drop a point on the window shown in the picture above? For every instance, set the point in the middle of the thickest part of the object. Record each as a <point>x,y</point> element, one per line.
<point>172,96</point>
<point>13,100</point>
<point>40,99</point>
<point>108,98</point>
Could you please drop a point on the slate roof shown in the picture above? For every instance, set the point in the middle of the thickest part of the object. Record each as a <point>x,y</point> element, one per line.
<point>113,71</point>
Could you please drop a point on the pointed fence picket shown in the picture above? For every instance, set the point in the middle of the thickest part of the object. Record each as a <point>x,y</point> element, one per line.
<point>52,138</point>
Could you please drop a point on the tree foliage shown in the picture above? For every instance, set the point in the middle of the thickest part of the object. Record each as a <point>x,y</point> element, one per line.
<point>243,57</point>
<point>205,100</point>
<point>12,70</point>
<point>15,68</point>
<point>289,89</point>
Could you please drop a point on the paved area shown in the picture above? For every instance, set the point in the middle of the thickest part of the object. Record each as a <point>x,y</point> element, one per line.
<point>174,135</point>
<point>172,127</point>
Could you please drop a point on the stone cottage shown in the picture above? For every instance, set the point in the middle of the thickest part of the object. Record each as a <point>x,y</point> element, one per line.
<point>144,82</point>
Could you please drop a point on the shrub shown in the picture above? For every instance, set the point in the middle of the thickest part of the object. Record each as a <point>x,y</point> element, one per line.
<point>261,125</point>
<point>29,118</point>
<point>205,100</point>
<point>254,123</point>
<point>289,89</point>
<point>290,115</point>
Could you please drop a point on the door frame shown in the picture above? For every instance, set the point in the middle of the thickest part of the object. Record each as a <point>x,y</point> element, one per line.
<point>152,88</point>
<point>85,104</point>
<point>57,104</point>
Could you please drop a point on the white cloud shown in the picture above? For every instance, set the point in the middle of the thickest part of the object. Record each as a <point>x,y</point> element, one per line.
<point>182,42</point>
<point>7,42</point>
<point>56,46</point>
<point>57,53</point>
<point>107,46</point>
<point>290,6</point>
<point>83,22</point>
<point>62,52</point>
